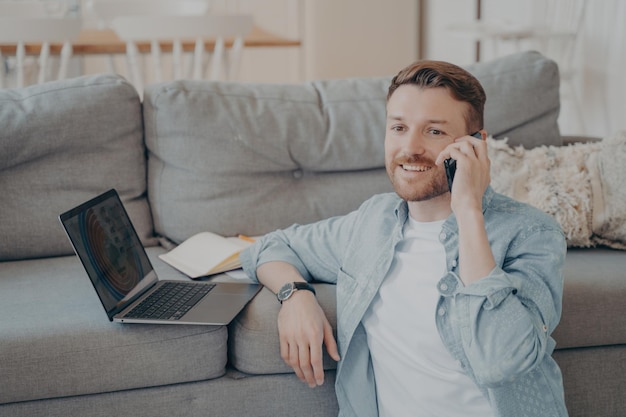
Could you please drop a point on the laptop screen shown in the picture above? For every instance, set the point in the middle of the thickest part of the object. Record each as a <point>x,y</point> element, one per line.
<point>108,246</point>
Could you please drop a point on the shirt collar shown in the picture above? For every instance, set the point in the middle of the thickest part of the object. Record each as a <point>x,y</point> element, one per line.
<point>401,211</point>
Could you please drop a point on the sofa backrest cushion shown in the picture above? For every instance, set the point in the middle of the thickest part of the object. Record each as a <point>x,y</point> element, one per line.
<point>63,143</point>
<point>249,158</point>
<point>523,101</point>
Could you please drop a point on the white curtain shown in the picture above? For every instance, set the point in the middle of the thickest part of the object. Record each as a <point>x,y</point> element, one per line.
<point>602,58</point>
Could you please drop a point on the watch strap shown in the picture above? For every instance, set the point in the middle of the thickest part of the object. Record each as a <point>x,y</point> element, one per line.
<point>304,286</point>
<point>288,289</point>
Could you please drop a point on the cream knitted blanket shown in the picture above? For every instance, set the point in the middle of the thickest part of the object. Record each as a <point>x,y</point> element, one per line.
<point>581,185</point>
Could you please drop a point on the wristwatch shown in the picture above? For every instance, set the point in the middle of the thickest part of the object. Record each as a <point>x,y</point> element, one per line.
<point>288,289</point>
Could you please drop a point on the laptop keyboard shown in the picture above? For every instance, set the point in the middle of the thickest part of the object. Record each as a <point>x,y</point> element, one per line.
<point>170,301</point>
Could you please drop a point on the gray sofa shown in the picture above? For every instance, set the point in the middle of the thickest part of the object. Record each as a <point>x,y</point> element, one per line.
<point>229,158</point>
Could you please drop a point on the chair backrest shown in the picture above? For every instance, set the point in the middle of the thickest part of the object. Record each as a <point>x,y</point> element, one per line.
<point>35,22</point>
<point>228,31</point>
<point>104,11</point>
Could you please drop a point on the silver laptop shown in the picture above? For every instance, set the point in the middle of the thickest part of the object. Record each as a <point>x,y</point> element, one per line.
<point>107,244</point>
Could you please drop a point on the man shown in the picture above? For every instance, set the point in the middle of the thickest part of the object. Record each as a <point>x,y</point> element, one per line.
<point>445,299</point>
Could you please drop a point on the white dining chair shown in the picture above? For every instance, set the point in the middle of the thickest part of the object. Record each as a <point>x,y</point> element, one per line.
<point>107,10</point>
<point>41,23</point>
<point>228,31</point>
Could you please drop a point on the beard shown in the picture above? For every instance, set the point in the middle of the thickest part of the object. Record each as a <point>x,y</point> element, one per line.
<point>430,184</point>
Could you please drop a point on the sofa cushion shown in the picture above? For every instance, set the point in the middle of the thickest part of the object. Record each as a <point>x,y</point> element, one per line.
<point>593,299</point>
<point>63,143</point>
<point>523,101</point>
<point>249,158</point>
<point>57,340</point>
<point>237,158</point>
<point>581,185</point>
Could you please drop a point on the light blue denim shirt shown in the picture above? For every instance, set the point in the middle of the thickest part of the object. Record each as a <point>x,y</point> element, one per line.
<point>498,328</point>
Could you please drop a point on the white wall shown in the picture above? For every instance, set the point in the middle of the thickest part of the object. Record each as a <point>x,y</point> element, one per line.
<point>359,38</point>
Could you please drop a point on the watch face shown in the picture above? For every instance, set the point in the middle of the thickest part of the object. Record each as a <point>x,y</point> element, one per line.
<point>285,292</point>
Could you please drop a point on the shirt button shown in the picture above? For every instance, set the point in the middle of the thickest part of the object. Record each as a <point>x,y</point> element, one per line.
<point>442,236</point>
<point>443,287</point>
<point>441,311</point>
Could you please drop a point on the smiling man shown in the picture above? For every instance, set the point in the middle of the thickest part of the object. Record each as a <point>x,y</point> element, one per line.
<point>446,299</point>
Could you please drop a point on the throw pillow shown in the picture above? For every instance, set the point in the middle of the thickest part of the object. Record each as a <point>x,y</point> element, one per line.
<point>579,184</point>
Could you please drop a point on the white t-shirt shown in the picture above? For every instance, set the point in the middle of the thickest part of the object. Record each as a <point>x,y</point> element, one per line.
<point>415,374</point>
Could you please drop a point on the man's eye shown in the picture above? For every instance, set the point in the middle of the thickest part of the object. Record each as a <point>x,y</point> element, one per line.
<point>397,128</point>
<point>435,132</point>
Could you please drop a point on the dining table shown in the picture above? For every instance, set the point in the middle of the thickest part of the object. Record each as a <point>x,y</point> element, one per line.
<point>93,41</point>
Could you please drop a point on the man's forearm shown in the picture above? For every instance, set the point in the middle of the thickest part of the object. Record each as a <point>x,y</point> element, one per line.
<point>475,256</point>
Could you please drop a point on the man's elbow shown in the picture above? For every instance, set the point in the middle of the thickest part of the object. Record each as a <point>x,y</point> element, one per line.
<point>499,371</point>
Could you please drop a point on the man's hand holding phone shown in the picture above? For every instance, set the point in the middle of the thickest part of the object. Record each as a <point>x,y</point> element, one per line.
<point>450,163</point>
<point>470,182</point>
<point>467,167</point>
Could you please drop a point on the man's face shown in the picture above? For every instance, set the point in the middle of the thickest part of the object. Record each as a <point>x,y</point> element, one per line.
<point>420,124</point>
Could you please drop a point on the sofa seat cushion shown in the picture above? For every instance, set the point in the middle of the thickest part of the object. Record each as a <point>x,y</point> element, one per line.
<point>62,143</point>
<point>593,299</point>
<point>250,158</point>
<point>254,347</point>
<point>57,341</point>
<point>593,312</point>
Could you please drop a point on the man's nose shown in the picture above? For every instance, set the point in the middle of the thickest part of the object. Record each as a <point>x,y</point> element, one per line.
<point>415,143</point>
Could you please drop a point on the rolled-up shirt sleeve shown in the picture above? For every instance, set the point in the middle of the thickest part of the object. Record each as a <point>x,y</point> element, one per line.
<point>507,317</point>
<point>314,250</point>
<point>272,247</point>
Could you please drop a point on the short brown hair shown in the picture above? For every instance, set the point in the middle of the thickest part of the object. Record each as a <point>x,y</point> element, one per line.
<point>461,84</point>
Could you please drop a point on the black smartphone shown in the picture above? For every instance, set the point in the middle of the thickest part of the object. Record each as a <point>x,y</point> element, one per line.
<point>450,164</point>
